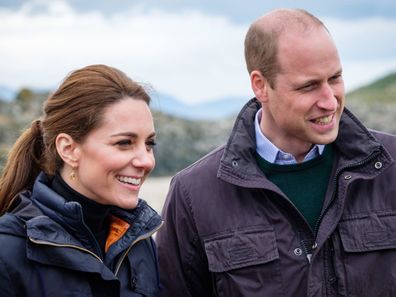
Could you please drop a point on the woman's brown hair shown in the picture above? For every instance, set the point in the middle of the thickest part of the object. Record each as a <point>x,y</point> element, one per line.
<point>75,108</point>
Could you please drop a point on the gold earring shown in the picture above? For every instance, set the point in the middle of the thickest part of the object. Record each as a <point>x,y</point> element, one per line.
<point>72,174</point>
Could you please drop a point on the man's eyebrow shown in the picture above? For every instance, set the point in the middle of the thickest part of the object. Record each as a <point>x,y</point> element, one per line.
<point>299,85</point>
<point>339,72</point>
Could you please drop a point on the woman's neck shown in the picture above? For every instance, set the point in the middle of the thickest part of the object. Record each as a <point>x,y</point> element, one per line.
<point>95,215</point>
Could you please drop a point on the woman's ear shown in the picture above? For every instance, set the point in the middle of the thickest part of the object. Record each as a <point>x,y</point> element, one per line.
<point>259,85</point>
<point>67,149</point>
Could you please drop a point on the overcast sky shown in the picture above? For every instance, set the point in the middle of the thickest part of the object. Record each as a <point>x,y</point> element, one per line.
<point>192,50</point>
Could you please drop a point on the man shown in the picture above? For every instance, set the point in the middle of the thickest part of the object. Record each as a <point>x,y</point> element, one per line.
<point>301,201</point>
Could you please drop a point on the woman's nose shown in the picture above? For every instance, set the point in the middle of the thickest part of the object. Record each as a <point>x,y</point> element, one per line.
<point>144,159</point>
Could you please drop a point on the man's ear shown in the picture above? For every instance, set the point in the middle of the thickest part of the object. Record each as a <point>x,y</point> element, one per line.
<point>259,85</point>
<point>67,149</point>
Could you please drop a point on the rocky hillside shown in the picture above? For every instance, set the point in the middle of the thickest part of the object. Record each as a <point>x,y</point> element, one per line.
<point>375,104</point>
<point>179,143</point>
<point>182,141</point>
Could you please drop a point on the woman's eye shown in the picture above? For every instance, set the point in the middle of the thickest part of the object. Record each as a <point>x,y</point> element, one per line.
<point>125,142</point>
<point>150,144</point>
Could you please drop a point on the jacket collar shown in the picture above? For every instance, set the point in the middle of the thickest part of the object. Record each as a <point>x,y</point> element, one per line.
<point>13,222</point>
<point>54,222</point>
<point>354,141</point>
<point>54,246</point>
<point>68,214</point>
<point>238,166</point>
<point>52,229</point>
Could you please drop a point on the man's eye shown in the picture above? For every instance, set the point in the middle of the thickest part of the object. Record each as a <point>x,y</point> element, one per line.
<point>306,88</point>
<point>336,77</point>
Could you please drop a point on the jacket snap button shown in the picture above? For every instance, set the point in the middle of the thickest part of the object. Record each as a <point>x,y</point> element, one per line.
<point>378,165</point>
<point>133,282</point>
<point>347,176</point>
<point>315,245</point>
<point>234,163</point>
<point>298,252</point>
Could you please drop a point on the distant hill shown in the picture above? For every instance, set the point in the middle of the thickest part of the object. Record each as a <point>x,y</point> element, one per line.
<point>382,90</point>
<point>375,104</point>
<point>180,141</point>
<point>212,110</point>
<point>187,132</point>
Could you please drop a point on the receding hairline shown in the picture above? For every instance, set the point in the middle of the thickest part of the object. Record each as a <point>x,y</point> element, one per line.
<point>283,19</point>
<point>264,34</point>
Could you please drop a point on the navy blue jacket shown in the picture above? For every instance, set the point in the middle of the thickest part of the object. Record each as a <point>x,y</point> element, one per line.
<point>47,250</point>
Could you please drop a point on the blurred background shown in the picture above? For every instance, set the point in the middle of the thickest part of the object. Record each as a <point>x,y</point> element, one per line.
<point>189,56</point>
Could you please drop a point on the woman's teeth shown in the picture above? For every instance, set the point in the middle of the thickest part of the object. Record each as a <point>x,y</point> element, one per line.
<point>129,180</point>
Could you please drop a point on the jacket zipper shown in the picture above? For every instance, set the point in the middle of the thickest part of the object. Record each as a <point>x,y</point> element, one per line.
<point>93,238</point>
<point>140,238</point>
<point>336,176</point>
<point>302,240</point>
<point>43,242</point>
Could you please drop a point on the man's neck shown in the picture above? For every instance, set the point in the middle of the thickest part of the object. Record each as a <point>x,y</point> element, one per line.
<point>283,154</point>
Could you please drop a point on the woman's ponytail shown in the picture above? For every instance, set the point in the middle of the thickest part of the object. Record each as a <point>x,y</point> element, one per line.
<point>23,165</point>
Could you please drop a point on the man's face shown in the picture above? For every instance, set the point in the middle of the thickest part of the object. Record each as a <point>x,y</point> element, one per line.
<point>307,100</point>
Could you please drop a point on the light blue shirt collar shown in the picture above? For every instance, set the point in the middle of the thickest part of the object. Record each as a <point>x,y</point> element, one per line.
<point>269,152</point>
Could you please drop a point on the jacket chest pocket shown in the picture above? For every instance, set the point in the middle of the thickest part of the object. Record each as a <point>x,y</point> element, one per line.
<point>244,262</point>
<point>368,254</point>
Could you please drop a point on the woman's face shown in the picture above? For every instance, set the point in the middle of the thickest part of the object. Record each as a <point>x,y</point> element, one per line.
<point>115,158</point>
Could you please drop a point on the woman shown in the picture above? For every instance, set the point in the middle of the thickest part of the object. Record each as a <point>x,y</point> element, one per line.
<point>73,224</point>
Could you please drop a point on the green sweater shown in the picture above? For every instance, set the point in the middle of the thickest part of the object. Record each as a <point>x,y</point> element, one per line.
<point>305,184</point>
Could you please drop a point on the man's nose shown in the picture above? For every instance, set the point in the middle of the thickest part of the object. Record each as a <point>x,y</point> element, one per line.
<point>328,99</point>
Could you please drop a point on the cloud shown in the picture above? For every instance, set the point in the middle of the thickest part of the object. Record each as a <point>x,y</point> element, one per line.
<point>367,48</point>
<point>190,55</point>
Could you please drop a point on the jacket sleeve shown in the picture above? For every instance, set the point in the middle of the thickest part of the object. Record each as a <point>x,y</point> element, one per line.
<point>7,287</point>
<point>182,262</point>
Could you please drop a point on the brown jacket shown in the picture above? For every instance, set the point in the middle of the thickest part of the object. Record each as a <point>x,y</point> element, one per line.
<point>230,232</point>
